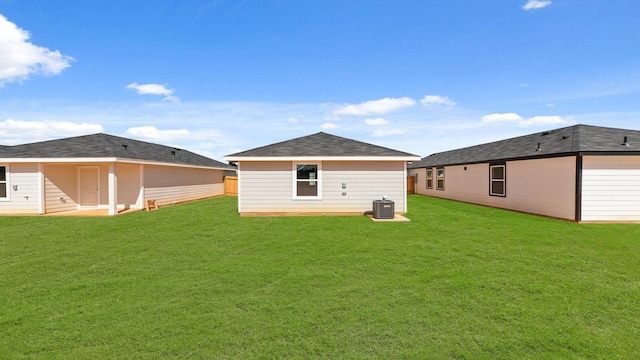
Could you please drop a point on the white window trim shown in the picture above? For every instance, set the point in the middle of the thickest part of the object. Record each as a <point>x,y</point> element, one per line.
<point>294,180</point>
<point>503,180</point>
<point>8,182</point>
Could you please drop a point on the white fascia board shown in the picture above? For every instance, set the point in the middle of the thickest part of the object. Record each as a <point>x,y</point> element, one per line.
<point>61,160</point>
<point>160,163</point>
<point>322,158</point>
<point>104,160</point>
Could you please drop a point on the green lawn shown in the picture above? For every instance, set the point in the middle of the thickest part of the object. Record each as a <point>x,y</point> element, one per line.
<point>197,281</point>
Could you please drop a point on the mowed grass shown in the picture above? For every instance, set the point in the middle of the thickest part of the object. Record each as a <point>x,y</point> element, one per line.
<point>197,281</point>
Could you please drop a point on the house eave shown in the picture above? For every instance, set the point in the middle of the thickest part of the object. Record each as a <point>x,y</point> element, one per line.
<point>105,160</point>
<point>322,158</point>
<point>541,156</point>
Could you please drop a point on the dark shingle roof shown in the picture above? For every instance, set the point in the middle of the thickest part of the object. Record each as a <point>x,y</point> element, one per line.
<point>103,145</point>
<point>320,144</point>
<point>568,140</point>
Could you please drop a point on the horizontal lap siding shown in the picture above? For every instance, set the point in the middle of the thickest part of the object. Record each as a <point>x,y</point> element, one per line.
<point>26,199</point>
<point>366,181</point>
<point>611,188</point>
<point>543,186</point>
<point>170,185</point>
<point>539,186</point>
<point>268,186</point>
<point>61,190</point>
<point>128,186</point>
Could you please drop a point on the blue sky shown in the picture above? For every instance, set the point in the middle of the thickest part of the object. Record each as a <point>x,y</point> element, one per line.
<point>221,76</point>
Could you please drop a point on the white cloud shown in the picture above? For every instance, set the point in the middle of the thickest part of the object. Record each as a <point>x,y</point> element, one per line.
<point>376,106</point>
<point>20,58</point>
<point>506,117</point>
<point>18,131</point>
<point>379,133</point>
<point>154,89</point>
<point>545,120</point>
<point>436,100</point>
<point>153,134</point>
<point>329,126</point>
<point>376,122</point>
<point>536,4</point>
<point>520,121</point>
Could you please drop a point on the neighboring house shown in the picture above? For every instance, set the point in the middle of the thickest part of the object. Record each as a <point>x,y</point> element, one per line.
<point>102,172</point>
<point>582,173</point>
<point>320,174</point>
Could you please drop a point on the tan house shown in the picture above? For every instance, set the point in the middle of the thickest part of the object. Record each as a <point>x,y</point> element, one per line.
<point>582,173</point>
<point>320,174</point>
<point>102,171</point>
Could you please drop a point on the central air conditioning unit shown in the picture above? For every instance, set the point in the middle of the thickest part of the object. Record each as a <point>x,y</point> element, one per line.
<point>383,209</point>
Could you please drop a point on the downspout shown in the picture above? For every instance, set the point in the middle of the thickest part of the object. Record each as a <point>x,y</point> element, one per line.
<point>578,187</point>
<point>239,175</point>
<point>404,185</point>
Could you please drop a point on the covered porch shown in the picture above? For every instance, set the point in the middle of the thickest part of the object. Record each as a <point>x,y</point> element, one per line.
<point>92,189</point>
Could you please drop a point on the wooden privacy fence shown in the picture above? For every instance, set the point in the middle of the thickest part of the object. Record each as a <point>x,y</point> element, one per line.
<point>411,184</point>
<point>231,185</point>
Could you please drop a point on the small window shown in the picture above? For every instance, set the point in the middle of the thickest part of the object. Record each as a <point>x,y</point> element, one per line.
<point>307,181</point>
<point>3,183</point>
<point>497,180</point>
<point>440,179</point>
<point>429,178</point>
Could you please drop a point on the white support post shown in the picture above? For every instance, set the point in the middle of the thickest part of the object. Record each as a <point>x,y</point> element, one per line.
<point>140,200</point>
<point>41,185</point>
<point>113,190</point>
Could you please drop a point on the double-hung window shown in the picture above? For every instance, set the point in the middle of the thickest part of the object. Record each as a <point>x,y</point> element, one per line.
<point>440,179</point>
<point>307,180</point>
<point>4,184</point>
<point>497,180</point>
<point>429,178</point>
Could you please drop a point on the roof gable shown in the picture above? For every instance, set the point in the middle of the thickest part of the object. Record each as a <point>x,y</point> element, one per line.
<point>321,145</point>
<point>568,140</point>
<point>107,146</point>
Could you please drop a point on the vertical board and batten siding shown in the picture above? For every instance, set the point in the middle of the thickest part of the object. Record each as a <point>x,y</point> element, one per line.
<point>539,186</point>
<point>267,186</point>
<point>60,188</point>
<point>169,185</point>
<point>26,199</point>
<point>611,188</point>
